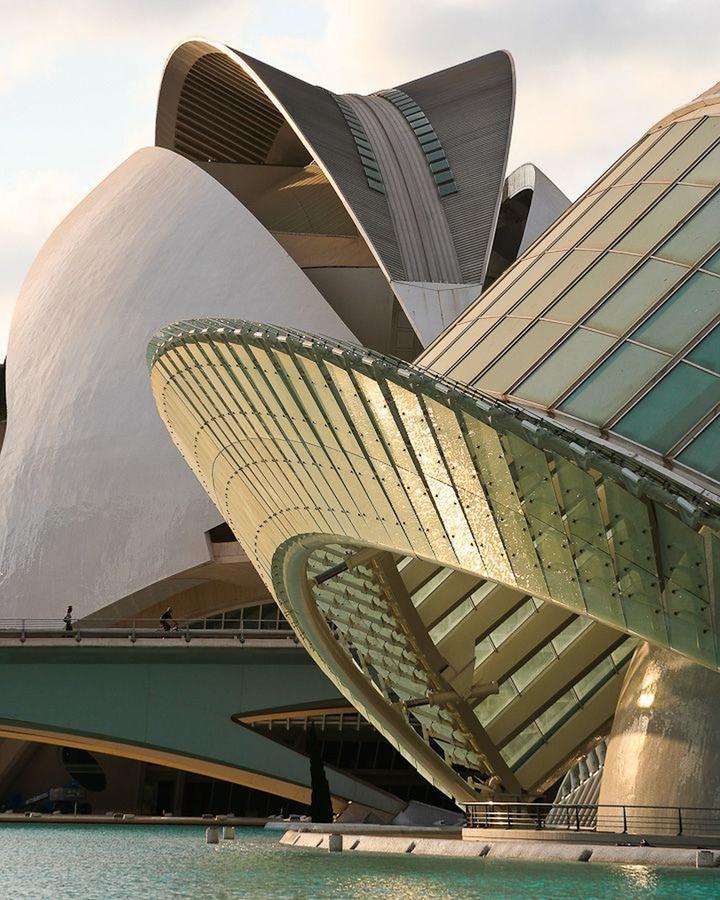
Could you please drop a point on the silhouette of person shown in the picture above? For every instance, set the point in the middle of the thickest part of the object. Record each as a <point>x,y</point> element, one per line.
<point>166,619</point>
<point>68,619</point>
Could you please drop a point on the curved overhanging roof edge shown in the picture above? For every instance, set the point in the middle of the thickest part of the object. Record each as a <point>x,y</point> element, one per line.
<point>165,137</point>
<point>394,239</point>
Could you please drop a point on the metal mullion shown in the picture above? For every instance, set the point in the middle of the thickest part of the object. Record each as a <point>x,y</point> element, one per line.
<point>303,403</point>
<point>698,428</point>
<point>340,520</point>
<point>408,404</point>
<point>371,393</point>
<point>548,248</point>
<point>356,446</point>
<point>235,450</point>
<point>604,251</point>
<point>611,185</point>
<point>468,488</point>
<point>351,397</point>
<point>673,361</point>
<point>278,434</point>
<point>578,245</point>
<point>690,271</point>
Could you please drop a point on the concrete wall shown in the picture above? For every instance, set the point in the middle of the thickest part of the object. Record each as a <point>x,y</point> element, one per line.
<point>95,502</point>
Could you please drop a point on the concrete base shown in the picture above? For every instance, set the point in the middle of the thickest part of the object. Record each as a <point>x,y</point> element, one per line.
<point>538,851</point>
<point>664,746</point>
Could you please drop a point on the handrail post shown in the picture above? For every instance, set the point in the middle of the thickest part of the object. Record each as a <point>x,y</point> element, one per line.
<point>22,632</point>
<point>577,818</point>
<point>624,820</point>
<point>539,826</point>
<point>508,818</point>
<point>680,821</point>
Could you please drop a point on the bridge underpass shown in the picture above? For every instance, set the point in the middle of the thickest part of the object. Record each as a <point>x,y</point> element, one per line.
<point>172,701</point>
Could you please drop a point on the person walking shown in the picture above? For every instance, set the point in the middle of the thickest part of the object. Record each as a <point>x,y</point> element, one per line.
<point>166,619</point>
<point>68,619</point>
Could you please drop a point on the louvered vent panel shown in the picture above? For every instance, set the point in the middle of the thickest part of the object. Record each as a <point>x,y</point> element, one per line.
<point>223,116</point>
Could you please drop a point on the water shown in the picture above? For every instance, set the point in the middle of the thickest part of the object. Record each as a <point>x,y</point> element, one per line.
<point>76,862</point>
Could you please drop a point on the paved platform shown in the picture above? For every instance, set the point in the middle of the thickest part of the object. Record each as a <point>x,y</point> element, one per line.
<point>495,848</point>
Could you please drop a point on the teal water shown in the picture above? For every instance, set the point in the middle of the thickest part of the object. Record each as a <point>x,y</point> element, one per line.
<point>75,862</point>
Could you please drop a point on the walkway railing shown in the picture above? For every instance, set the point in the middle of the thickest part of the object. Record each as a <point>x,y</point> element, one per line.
<point>24,630</point>
<point>611,818</point>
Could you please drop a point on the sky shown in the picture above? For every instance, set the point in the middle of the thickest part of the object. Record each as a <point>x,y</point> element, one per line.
<point>79,80</point>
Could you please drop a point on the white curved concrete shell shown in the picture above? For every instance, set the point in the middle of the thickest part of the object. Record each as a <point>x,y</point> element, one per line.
<point>95,505</point>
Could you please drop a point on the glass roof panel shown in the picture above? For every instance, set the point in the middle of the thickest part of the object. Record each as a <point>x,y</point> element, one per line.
<point>702,454</point>
<point>594,284</point>
<point>713,264</point>
<point>613,383</point>
<point>635,296</point>
<point>683,315</point>
<point>673,207</point>
<point>696,237</point>
<point>671,408</point>
<point>707,171</point>
<point>689,150</point>
<point>565,366</point>
<point>521,356</point>
<point>707,352</point>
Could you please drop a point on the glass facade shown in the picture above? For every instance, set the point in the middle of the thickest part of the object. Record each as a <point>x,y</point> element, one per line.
<point>609,318</point>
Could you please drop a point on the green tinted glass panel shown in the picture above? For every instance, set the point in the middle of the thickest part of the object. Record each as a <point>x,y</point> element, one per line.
<point>707,352</point>
<point>623,216</point>
<point>594,284</point>
<point>613,383</point>
<point>707,171</point>
<point>713,264</point>
<point>703,453</point>
<point>683,315</point>
<point>685,154</point>
<point>668,141</point>
<point>538,339</point>
<point>671,408</point>
<point>696,237</point>
<point>661,219</point>
<point>635,296</point>
<point>564,367</point>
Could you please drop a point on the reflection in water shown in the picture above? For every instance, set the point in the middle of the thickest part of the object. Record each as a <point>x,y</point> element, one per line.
<point>112,862</point>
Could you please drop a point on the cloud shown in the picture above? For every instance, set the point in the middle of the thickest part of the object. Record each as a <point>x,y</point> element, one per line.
<point>591,77</point>
<point>35,36</point>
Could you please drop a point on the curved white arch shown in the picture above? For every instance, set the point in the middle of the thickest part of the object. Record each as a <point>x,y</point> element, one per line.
<point>95,506</point>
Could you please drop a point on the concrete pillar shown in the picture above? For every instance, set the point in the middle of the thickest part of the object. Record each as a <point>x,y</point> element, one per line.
<point>228,833</point>
<point>664,747</point>
<point>335,843</point>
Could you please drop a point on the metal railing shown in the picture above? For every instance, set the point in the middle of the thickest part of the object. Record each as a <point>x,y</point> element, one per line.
<point>136,629</point>
<point>610,818</point>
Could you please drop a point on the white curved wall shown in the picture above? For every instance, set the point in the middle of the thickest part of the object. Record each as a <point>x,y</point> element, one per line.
<point>95,501</point>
